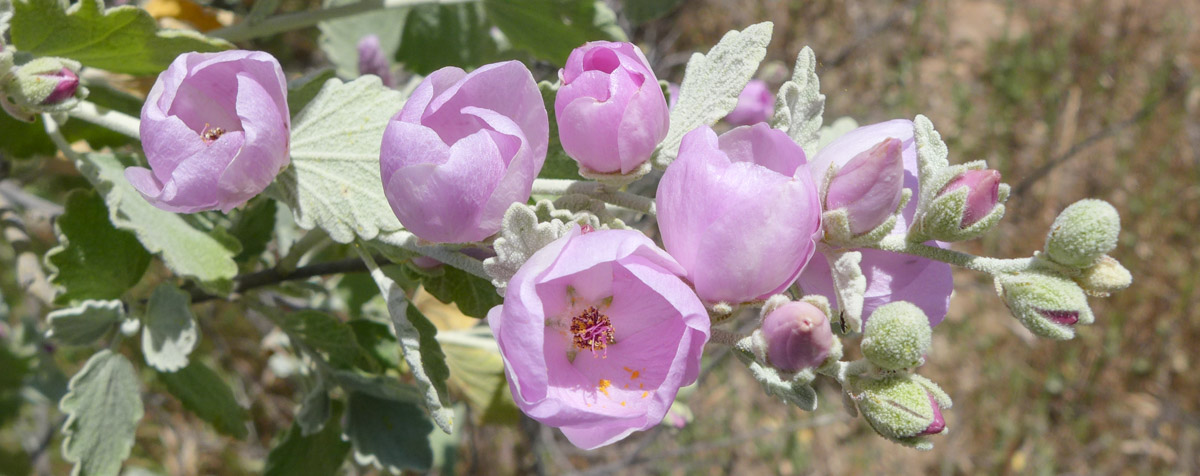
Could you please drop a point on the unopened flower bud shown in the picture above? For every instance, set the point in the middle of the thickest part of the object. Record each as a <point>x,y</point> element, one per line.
<point>798,336</point>
<point>371,60</point>
<point>1083,232</point>
<point>897,336</point>
<point>44,85</point>
<point>869,186</point>
<point>903,408</point>
<point>1048,305</point>
<point>982,196</point>
<point>1105,277</point>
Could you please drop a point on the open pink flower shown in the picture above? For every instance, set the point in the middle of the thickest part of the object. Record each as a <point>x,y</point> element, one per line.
<point>739,212</point>
<point>890,276</point>
<point>598,333</point>
<point>215,131</point>
<point>464,147</point>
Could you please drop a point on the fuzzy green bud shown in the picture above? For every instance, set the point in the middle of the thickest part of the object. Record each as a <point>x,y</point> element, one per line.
<point>1083,232</point>
<point>43,85</point>
<point>1105,277</point>
<point>1048,305</point>
<point>897,336</point>
<point>904,408</point>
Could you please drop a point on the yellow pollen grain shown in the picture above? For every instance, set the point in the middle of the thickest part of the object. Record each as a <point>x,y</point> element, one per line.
<point>603,387</point>
<point>641,385</point>
<point>634,375</point>
<point>626,385</point>
<point>622,403</point>
<point>644,394</point>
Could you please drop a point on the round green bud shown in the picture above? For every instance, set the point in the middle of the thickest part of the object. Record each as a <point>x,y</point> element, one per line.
<point>1105,277</point>
<point>901,408</point>
<point>1083,233</point>
<point>897,336</point>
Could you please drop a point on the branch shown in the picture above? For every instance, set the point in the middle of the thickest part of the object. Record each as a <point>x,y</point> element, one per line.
<point>273,276</point>
<point>115,120</point>
<point>598,191</point>
<point>898,244</point>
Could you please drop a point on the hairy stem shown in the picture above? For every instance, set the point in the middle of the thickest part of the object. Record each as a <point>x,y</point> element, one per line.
<point>117,121</point>
<point>296,20</point>
<point>898,244</point>
<point>597,191</point>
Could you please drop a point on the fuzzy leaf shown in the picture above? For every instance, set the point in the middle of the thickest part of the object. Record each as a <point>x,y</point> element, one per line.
<point>800,104</point>
<point>302,90</point>
<point>851,288</point>
<point>711,84</point>
<point>93,260</point>
<point>205,394</point>
<point>550,29</point>
<point>170,333</point>
<point>431,382</point>
<point>103,407</point>
<point>314,409</point>
<point>83,324</point>
<point>320,454</point>
<point>333,182</point>
<point>520,237</point>
<point>186,250</point>
<point>123,39</point>
<point>392,435</point>
<point>253,226</point>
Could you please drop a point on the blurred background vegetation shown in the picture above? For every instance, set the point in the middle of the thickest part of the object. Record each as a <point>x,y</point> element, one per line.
<point>1089,98</point>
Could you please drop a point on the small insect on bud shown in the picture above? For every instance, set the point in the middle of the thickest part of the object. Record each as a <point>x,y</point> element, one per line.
<point>1083,232</point>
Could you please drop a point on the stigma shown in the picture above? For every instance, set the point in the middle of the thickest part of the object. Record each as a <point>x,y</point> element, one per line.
<point>592,331</point>
<point>211,134</point>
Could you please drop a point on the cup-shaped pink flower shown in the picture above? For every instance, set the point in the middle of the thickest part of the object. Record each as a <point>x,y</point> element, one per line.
<point>598,332</point>
<point>890,276</point>
<point>798,336</point>
<point>739,212</point>
<point>371,60</point>
<point>869,186</point>
<point>214,130</point>
<point>755,104</point>
<point>982,196</point>
<point>464,147</point>
<point>610,108</point>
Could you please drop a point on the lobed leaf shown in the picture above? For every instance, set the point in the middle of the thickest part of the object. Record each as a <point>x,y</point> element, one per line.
<point>93,260</point>
<point>123,39</point>
<point>205,394</point>
<point>800,104</point>
<point>170,332</point>
<point>85,323</point>
<point>103,407</point>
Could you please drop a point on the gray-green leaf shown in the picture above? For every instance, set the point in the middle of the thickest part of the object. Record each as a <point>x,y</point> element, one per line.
<point>473,295</point>
<point>711,84</point>
<point>323,333</point>
<point>204,393</point>
<point>103,407</point>
<point>445,35</point>
<point>334,182</point>
<point>170,331</point>
<point>186,250</point>
<point>93,260</point>
<point>392,435</point>
<point>123,39</point>
<point>83,324</point>
<point>800,104</point>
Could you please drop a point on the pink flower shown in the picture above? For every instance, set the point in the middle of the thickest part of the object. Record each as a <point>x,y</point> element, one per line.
<point>598,333</point>
<point>464,148</point>
<point>371,60</point>
<point>610,109</point>
<point>739,212</point>
<point>869,186</point>
<point>798,336</point>
<point>890,276</point>
<point>214,130</point>
<point>755,104</point>
<point>982,196</point>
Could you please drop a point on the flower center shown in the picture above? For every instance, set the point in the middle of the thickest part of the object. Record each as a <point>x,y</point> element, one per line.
<point>211,134</point>
<point>592,331</point>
